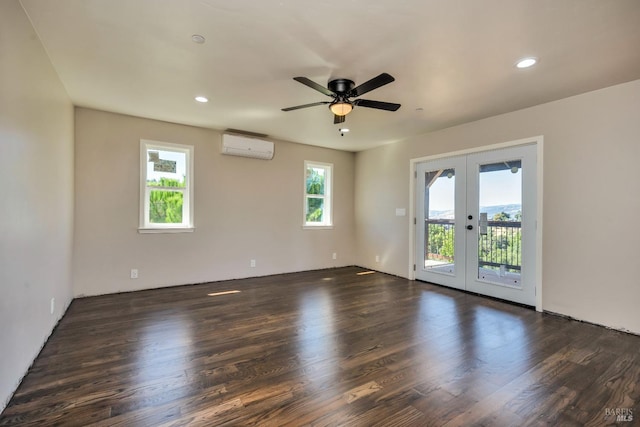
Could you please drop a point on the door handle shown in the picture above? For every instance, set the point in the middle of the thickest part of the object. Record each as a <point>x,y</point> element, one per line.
<point>469,227</point>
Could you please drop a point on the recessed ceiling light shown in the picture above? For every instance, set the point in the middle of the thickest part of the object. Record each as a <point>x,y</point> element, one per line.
<point>201,99</point>
<point>197,38</point>
<point>526,62</point>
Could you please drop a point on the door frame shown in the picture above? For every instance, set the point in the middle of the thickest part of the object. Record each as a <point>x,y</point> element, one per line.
<point>538,141</point>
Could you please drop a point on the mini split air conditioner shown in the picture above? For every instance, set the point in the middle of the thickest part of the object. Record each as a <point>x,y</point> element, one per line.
<point>243,146</point>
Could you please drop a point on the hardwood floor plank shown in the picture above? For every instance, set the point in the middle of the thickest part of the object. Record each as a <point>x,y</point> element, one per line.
<point>439,406</point>
<point>361,391</point>
<point>323,348</point>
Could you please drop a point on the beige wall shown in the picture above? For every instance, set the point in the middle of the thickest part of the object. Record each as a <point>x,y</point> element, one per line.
<point>244,209</point>
<point>591,199</point>
<point>36,171</point>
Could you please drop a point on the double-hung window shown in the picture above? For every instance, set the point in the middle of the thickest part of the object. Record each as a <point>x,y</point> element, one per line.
<point>317,194</point>
<point>166,187</point>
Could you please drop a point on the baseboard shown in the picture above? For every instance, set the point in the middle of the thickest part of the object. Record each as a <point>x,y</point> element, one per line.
<point>566,316</point>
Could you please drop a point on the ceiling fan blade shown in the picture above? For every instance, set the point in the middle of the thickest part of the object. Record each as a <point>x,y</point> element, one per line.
<point>376,104</point>
<point>338,119</point>
<point>313,104</point>
<point>313,85</point>
<point>372,84</point>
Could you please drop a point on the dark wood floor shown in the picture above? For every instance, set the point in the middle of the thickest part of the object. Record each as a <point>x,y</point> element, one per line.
<point>324,348</point>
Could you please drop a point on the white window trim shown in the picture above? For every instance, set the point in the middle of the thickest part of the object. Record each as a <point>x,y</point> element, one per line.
<point>188,205</point>
<point>328,197</point>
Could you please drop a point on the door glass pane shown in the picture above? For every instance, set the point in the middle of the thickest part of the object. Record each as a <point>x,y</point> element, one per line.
<point>500,223</point>
<point>439,227</point>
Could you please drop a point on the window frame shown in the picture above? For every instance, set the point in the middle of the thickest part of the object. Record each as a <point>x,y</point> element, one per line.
<point>187,225</point>
<point>327,216</point>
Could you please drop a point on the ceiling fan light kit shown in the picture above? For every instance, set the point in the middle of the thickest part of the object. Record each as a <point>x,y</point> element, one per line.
<point>341,108</point>
<point>343,89</point>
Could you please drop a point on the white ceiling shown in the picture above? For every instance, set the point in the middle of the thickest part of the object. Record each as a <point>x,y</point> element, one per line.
<point>452,59</point>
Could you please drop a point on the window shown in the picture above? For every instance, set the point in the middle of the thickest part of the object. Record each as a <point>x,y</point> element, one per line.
<point>317,194</point>
<point>166,187</point>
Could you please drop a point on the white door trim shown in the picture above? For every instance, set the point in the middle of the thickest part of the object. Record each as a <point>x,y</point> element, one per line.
<point>539,143</point>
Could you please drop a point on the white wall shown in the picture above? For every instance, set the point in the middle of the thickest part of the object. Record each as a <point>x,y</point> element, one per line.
<point>36,171</point>
<point>591,199</point>
<point>244,209</point>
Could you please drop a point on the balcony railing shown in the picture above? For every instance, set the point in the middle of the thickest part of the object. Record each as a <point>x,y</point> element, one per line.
<point>499,243</point>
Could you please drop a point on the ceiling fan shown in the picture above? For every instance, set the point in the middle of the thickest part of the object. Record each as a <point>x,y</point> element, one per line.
<point>343,89</point>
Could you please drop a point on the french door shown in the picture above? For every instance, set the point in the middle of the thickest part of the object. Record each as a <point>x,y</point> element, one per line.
<point>475,223</point>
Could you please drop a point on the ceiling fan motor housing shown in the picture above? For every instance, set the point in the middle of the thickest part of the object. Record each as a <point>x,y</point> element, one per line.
<point>341,86</point>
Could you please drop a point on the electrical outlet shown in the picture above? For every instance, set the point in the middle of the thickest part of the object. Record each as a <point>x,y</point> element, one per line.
<point>335,255</point>
<point>253,263</point>
<point>134,273</point>
<point>377,258</point>
<point>53,305</point>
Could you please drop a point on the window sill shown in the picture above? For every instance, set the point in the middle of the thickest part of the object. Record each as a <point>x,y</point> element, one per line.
<point>317,227</point>
<point>166,230</point>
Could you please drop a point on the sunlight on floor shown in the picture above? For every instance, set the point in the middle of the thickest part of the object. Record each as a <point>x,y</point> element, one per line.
<point>215,294</point>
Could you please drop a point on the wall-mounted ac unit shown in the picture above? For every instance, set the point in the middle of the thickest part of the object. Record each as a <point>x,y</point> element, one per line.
<point>239,145</point>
